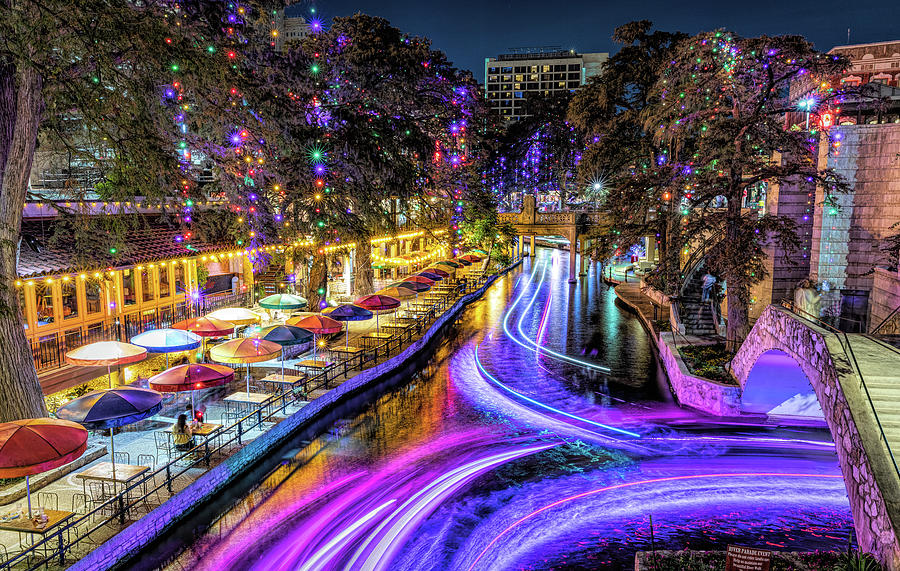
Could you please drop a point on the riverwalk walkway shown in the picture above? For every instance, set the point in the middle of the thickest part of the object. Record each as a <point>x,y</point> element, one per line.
<point>94,505</point>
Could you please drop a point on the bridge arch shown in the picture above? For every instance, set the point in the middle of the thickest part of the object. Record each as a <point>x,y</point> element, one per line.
<point>873,486</point>
<point>778,386</point>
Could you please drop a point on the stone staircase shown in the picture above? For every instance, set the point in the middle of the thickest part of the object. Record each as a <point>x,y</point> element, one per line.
<point>269,280</point>
<point>696,316</point>
<point>877,363</point>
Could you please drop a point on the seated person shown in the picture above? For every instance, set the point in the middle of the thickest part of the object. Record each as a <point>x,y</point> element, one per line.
<point>182,434</point>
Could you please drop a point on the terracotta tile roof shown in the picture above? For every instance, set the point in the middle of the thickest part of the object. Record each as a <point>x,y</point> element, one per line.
<point>149,244</point>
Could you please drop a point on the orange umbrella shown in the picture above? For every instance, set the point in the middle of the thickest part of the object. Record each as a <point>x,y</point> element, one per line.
<point>107,353</point>
<point>419,279</point>
<point>245,351</point>
<point>397,292</point>
<point>35,445</point>
<point>206,326</point>
<point>318,325</point>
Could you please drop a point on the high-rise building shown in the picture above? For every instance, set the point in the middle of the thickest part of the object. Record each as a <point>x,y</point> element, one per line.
<point>290,29</point>
<point>509,77</point>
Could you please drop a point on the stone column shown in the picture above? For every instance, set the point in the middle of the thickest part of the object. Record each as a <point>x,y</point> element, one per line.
<point>584,257</point>
<point>651,248</point>
<point>522,246</point>
<point>348,272</point>
<point>573,258</point>
<point>531,251</point>
<point>394,270</point>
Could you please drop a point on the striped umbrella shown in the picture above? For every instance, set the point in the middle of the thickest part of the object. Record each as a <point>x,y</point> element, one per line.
<point>442,272</point>
<point>191,377</point>
<point>283,301</point>
<point>107,353</point>
<point>347,312</point>
<point>245,351</point>
<point>431,276</point>
<point>318,325</point>
<point>236,315</point>
<point>286,336</point>
<point>378,304</point>
<point>167,341</point>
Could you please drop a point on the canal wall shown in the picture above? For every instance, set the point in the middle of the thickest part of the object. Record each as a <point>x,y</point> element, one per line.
<point>704,395</point>
<point>161,534</point>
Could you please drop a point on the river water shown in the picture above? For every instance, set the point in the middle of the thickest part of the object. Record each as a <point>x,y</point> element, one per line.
<point>538,437</point>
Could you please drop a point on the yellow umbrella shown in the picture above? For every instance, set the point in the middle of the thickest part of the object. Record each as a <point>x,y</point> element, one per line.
<point>236,315</point>
<point>245,351</point>
<point>398,292</point>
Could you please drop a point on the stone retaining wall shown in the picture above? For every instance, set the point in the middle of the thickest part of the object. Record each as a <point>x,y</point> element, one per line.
<point>149,529</point>
<point>696,392</point>
<point>853,426</point>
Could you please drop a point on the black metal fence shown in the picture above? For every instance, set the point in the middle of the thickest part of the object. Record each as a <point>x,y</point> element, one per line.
<point>143,493</point>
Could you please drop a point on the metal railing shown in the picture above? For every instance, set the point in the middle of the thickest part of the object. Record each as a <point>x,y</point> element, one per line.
<point>890,325</point>
<point>844,340</point>
<point>141,492</point>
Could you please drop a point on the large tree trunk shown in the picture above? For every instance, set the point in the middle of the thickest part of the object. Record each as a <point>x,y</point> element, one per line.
<point>363,275</point>
<point>317,285</point>
<point>21,106</point>
<point>736,291</point>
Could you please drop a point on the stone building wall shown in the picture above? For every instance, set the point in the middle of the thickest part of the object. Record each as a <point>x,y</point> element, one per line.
<point>848,239</point>
<point>885,297</point>
<point>822,359</point>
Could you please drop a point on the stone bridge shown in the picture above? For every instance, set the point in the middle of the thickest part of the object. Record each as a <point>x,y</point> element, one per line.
<point>857,382</point>
<point>570,225</point>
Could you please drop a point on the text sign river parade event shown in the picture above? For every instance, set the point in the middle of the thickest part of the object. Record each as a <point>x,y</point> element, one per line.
<point>740,558</point>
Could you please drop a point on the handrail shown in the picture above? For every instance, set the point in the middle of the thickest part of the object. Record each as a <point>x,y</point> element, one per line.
<point>118,505</point>
<point>844,340</point>
<point>891,315</point>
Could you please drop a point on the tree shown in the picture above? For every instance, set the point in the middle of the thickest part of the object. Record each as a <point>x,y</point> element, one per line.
<point>620,168</point>
<point>720,106</point>
<point>539,152</point>
<point>117,83</point>
<point>386,112</point>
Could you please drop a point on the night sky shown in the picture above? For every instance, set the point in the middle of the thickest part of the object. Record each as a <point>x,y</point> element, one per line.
<point>470,30</point>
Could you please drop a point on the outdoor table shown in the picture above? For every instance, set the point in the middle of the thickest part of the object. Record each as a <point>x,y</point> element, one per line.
<point>375,338</point>
<point>205,430</point>
<point>313,364</point>
<point>26,525</point>
<point>102,472</point>
<point>283,381</point>
<point>350,352</point>
<point>249,399</point>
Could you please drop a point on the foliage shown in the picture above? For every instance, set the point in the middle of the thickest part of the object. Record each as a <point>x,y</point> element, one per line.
<point>688,560</point>
<point>708,361</point>
<point>619,166</point>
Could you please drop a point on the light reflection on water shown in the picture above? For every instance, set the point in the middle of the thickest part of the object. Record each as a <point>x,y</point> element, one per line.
<point>437,473</point>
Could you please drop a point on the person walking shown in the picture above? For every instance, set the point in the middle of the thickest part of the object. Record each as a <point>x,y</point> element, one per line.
<point>709,281</point>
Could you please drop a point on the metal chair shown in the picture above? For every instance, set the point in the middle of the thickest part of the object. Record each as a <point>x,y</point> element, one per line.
<point>121,457</point>
<point>163,443</point>
<point>48,500</point>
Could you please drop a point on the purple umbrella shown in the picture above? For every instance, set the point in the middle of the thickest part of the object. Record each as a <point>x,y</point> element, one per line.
<point>431,276</point>
<point>348,312</point>
<point>111,408</point>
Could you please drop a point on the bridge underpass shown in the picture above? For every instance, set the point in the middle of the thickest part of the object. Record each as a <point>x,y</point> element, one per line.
<point>856,380</point>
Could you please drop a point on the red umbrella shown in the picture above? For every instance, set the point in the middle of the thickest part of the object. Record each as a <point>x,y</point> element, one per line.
<point>418,279</point>
<point>35,445</point>
<point>471,258</point>
<point>377,303</point>
<point>191,378</point>
<point>318,325</point>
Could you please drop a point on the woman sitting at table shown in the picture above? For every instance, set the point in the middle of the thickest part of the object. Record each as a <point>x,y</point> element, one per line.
<point>182,434</point>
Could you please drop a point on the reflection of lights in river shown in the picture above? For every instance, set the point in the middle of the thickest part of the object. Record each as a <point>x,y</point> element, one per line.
<point>754,475</point>
<point>488,376</point>
<point>528,343</point>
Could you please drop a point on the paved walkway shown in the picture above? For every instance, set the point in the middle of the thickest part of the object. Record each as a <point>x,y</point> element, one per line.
<point>136,444</point>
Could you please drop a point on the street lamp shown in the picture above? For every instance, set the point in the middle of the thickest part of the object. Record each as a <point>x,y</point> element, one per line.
<point>807,105</point>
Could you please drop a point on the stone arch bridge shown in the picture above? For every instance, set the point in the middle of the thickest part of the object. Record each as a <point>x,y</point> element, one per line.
<point>857,382</point>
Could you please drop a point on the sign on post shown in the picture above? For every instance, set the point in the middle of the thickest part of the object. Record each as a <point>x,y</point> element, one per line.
<point>740,558</point>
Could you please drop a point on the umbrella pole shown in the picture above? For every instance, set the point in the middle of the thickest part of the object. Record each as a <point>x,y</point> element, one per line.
<point>248,378</point>
<point>315,346</point>
<point>28,493</point>
<point>347,329</point>
<point>109,374</point>
<point>193,410</point>
<point>282,363</point>
<point>112,451</point>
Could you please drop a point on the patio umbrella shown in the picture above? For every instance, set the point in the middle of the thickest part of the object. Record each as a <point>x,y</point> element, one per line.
<point>206,326</point>
<point>436,271</point>
<point>416,287</point>
<point>107,353</point>
<point>35,445</point>
<point>397,292</point>
<point>378,304</point>
<point>111,408</point>
<point>449,263</point>
<point>245,351</point>
<point>347,312</point>
<point>283,301</point>
<point>167,341</point>
<point>191,378</point>
<point>318,325</point>
<point>236,315</point>
<point>471,258</point>
<point>478,251</point>
<point>286,336</point>
<point>463,261</point>
<point>419,278</point>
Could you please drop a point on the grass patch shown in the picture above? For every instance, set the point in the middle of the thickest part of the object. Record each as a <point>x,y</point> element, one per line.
<point>708,361</point>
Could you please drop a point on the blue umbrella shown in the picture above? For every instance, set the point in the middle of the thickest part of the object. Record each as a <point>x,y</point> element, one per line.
<point>429,275</point>
<point>111,408</point>
<point>286,336</point>
<point>348,312</point>
<point>167,341</point>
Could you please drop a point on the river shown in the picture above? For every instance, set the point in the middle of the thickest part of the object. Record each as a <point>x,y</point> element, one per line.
<point>539,436</point>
